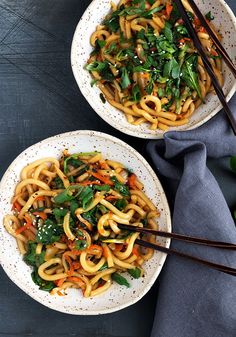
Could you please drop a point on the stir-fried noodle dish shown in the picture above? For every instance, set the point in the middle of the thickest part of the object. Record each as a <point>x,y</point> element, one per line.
<point>146,65</point>
<point>65,218</point>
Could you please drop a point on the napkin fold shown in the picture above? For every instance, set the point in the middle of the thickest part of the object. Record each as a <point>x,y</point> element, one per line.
<point>193,300</point>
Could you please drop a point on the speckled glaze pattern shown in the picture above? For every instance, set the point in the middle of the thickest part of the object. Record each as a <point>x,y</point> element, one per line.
<point>224,20</point>
<point>116,297</point>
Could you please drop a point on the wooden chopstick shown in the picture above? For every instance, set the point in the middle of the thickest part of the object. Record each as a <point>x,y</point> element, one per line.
<point>207,64</point>
<point>188,239</point>
<point>169,251</point>
<point>217,43</point>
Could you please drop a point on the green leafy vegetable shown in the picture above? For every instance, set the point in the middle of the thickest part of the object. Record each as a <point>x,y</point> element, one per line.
<point>49,232</point>
<point>58,183</point>
<point>80,244</point>
<point>31,258</point>
<point>64,196</point>
<point>43,285</point>
<point>121,204</point>
<point>125,81</point>
<point>96,66</point>
<point>121,188</point>
<point>209,16</point>
<point>102,187</point>
<point>136,273</point>
<point>120,280</point>
<point>104,267</point>
<point>190,75</point>
<point>73,161</point>
<point>136,93</point>
<point>168,31</point>
<point>86,196</point>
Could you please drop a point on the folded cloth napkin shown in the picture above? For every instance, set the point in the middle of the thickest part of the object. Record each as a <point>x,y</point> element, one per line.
<point>193,300</point>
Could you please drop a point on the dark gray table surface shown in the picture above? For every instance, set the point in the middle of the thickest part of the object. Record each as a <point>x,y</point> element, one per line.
<point>39,98</point>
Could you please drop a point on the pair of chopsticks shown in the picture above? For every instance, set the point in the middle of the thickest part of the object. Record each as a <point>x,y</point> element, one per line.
<point>187,239</point>
<point>201,51</point>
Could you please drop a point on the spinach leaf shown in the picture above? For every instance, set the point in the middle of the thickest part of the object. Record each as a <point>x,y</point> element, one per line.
<point>43,285</point>
<point>64,196</point>
<point>49,232</point>
<point>120,280</point>
<point>102,187</point>
<point>86,196</point>
<point>121,188</point>
<point>209,16</point>
<point>136,273</point>
<point>91,217</point>
<point>31,258</point>
<point>73,207</point>
<point>113,21</point>
<point>59,214</point>
<point>105,266</point>
<point>136,93</point>
<point>121,204</point>
<point>189,73</point>
<point>168,31</point>
<point>181,29</point>
<point>73,161</point>
<point>81,244</point>
<point>149,87</point>
<point>98,45</point>
<point>58,183</point>
<point>125,81</point>
<point>96,66</point>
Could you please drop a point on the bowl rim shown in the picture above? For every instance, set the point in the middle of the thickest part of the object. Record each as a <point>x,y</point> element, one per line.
<point>163,256</point>
<point>117,126</point>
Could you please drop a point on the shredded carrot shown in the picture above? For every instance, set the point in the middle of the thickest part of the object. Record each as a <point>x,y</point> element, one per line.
<point>93,248</point>
<point>16,206</point>
<point>135,251</point>
<point>104,179</point>
<point>105,252</point>
<point>144,75</point>
<point>76,265</point>
<point>169,9</point>
<point>104,165</point>
<point>132,181</point>
<point>75,279</point>
<point>196,21</point>
<point>183,40</point>
<point>59,282</point>
<point>27,225</point>
<point>111,197</point>
<point>118,247</point>
<point>42,215</point>
<point>40,198</point>
<point>202,29</point>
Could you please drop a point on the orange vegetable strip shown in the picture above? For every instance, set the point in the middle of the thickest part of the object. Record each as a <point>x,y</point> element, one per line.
<point>42,215</point>
<point>169,9</point>
<point>26,226</point>
<point>16,206</point>
<point>105,180</point>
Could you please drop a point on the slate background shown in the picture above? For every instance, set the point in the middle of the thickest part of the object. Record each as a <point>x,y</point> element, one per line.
<point>39,98</point>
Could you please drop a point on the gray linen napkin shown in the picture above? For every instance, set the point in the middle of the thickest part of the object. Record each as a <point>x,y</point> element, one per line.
<point>195,301</point>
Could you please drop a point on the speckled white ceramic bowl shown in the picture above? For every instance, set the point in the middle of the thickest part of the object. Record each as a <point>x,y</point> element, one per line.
<point>116,297</point>
<point>81,48</point>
